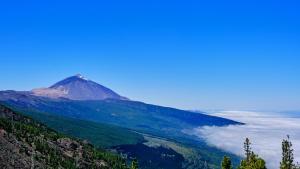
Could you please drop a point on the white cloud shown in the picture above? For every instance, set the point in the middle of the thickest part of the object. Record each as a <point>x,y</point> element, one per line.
<point>265,130</point>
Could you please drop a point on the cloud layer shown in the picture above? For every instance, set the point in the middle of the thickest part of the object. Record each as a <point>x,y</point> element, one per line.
<point>265,130</point>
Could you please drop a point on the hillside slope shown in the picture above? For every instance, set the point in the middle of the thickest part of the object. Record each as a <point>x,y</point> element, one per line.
<point>196,154</point>
<point>25,143</point>
<point>124,113</point>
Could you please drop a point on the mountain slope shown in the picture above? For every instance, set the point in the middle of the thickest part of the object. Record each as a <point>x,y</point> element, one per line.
<point>166,153</point>
<point>77,88</point>
<point>159,121</point>
<point>25,143</point>
<point>99,134</point>
<point>133,115</point>
<point>84,109</point>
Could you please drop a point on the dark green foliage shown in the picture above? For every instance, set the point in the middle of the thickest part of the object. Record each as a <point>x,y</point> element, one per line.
<point>226,163</point>
<point>134,164</point>
<point>287,161</point>
<point>107,135</point>
<point>152,157</point>
<point>99,134</point>
<point>255,162</point>
<point>252,161</point>
<point>44,142</point>
<point>247,149</point>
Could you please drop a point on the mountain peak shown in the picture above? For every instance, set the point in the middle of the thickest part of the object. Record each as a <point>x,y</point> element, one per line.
<point>78,88</point>
<point>80,76</point>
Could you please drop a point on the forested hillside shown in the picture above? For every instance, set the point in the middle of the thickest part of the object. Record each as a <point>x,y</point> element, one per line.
<point>26,143</point>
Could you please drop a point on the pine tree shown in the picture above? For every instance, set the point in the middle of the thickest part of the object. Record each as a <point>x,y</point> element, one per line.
<point>134,164</point>
<point>247,149</point>
<point>226,163</point>
<point>252,161</point>
<point>287,161</point>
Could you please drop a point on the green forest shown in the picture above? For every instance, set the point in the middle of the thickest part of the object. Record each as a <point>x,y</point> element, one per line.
<point>48,149</point>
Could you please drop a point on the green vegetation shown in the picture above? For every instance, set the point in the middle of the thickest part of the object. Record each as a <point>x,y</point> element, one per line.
<point>196,154</point>
<point>247,149</point>
<point>253,161</point>
<point>287,155</point>
<point>287,161</point>
<point>152,157</point>
<point>134,164</point>
<point>137,116</point>
<point>51,149</point>
<point>99,134</point>
<point>226,163</point>
<point>193,157</point>
<point>125,123</point>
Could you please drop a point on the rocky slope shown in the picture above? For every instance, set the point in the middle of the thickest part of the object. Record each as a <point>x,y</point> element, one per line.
<point>24,143</point>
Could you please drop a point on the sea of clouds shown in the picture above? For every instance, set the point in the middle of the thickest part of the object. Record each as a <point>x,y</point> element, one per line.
<point>265,131</point>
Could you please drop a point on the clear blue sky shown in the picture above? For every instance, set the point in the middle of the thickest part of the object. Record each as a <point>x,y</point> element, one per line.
<point>233,55</point>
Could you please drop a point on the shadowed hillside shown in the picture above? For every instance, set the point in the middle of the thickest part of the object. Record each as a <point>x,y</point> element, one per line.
<point>26,144</point>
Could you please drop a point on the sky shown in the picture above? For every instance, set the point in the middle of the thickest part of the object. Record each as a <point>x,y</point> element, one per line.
<point>229,55</point>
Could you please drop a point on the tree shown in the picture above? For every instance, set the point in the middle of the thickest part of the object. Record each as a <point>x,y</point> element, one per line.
<point>247,149</point>
<point>134,164</point>
<point>287,161</point>
<point>252,161</point>
<point>226,163</point>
